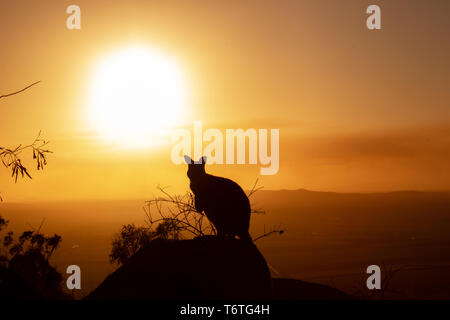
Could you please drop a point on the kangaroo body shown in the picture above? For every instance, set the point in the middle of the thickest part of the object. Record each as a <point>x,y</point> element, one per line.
<point>224,202</point>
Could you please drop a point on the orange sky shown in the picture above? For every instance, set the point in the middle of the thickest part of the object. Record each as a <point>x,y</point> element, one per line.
<point>357,110</point>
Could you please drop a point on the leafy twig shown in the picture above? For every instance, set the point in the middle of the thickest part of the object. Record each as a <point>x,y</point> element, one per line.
<point>11,157</point>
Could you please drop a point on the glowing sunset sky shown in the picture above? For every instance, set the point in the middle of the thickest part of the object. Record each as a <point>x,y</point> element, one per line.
<point>357,110</point>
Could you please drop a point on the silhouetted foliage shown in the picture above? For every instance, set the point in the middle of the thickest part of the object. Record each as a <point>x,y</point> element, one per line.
<point>11,157</point>
<point>169,217</point>
<point>25,271</point>
<point>128,241</point>
<point>131,238</point>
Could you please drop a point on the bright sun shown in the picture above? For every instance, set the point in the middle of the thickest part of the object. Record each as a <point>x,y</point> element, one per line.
<point>137,95</point>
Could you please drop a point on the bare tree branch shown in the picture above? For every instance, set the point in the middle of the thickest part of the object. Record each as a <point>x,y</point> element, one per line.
<point>13,93</point>
<point>169,216</point>
<point>279,230</point>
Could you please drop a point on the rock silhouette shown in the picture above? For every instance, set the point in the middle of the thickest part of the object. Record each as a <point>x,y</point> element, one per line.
<point>205,268</point>
<point>291,289</point>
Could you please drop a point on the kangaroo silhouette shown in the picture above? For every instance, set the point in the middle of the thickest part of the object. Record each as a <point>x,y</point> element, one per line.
<point>224,202</point>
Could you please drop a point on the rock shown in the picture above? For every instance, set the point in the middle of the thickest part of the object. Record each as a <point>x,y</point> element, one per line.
<point>206,268</point>
<point>291,289</point>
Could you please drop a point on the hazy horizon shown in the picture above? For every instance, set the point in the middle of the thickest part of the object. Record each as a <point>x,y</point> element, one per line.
<point>143,199</point>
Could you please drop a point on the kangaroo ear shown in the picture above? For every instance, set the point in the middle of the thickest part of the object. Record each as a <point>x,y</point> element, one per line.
<point>187,159</point>
<point>203,160</point>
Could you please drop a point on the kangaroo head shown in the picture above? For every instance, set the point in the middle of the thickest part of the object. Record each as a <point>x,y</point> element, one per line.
<point>195,168</point>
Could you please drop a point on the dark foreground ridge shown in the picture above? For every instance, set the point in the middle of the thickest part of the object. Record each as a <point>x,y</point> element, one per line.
<point>206,268</point>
